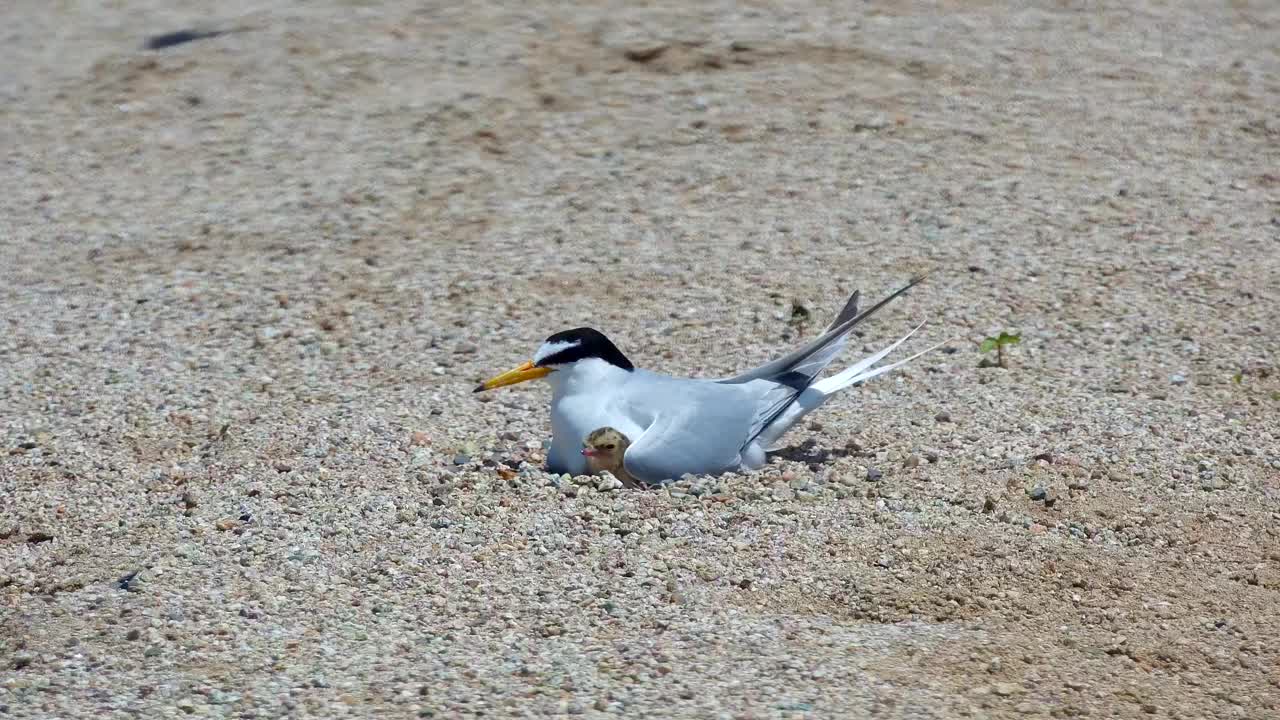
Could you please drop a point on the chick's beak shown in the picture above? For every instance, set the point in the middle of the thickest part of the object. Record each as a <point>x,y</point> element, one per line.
<point>527,371</point>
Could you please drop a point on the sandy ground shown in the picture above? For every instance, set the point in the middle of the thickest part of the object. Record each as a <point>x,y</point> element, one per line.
<point>247,284</point>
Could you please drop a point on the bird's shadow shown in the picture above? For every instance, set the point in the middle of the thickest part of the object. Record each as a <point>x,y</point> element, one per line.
<point>809,453</point>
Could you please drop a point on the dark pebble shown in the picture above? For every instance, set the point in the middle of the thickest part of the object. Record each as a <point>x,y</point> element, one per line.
<point>943,417</point>
<point>873,474</point>
<point>39,537</point>
<point>461,459</point>
<point>1037,493</point>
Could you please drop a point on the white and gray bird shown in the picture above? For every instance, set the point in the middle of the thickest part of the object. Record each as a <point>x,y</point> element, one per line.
<point>687,425</point>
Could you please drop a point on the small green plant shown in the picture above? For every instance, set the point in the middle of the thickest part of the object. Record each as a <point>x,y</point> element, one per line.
<point>998,344</point>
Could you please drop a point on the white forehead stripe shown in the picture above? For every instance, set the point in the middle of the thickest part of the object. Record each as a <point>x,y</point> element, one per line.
<point>549,349</point>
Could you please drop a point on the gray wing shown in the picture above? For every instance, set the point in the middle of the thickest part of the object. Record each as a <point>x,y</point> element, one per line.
<point>788,370</point>
<point>820,360</point>
<point>698,427</point>
<point>789,376</point>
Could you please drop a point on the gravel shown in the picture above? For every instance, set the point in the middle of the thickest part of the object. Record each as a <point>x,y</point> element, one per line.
<point>248,281</point>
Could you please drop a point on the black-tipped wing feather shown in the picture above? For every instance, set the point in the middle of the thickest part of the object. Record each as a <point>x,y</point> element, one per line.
<point>797,371</point>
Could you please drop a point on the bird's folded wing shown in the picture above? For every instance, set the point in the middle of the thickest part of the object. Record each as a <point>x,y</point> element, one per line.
<point>848,312</point>
<point>809,360</point>
<point>701,433</point>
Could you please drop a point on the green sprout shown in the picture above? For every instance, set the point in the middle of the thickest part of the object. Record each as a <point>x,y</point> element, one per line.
<point>998,344</point>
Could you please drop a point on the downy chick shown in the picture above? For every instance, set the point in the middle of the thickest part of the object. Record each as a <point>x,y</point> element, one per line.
<point>604,449</point>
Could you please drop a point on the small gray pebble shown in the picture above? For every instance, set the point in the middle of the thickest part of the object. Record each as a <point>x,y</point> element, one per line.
<point>461,459</point>
<point>1037,493</point>
<point>874,474</point>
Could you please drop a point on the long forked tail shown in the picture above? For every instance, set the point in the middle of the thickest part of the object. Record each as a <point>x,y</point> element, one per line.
<point>795,374</point>
<point>816,394</point>
<point>798,368</point>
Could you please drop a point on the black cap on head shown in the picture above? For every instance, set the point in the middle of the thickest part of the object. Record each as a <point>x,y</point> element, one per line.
<point>569,346</point>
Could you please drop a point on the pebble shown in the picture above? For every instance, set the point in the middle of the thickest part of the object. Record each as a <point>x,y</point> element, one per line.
<point>943,417</point>
<point>874,474</point>
<point>912,461</point>
<point>1037,493</point>
<point>461,459</point>
<point>1178,379</point>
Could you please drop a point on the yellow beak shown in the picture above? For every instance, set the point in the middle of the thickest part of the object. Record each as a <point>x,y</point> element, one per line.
<point>521,374</point>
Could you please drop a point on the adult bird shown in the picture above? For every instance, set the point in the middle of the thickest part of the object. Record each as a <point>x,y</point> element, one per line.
<point>688,425</point>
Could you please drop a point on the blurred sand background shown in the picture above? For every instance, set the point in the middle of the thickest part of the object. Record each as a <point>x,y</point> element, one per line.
<point>247,283</point>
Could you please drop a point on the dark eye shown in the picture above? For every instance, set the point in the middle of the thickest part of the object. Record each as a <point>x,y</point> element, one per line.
<point>609,446</point>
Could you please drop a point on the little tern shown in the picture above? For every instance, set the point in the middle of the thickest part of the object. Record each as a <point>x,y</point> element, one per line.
<point>687,425</point>
<point>605,449</point>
